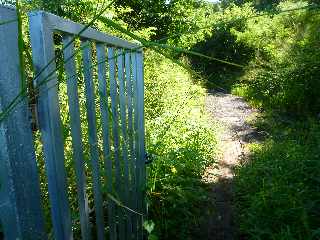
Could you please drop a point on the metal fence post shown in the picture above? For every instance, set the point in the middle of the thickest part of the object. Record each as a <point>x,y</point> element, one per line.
<point>43,55</point>
<point>20,208</point>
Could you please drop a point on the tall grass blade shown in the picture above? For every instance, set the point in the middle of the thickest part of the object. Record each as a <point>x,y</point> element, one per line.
<point>21,49</point>
<point>9,21</point>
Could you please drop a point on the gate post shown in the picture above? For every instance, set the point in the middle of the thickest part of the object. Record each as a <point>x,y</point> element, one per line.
<point>21,215</point>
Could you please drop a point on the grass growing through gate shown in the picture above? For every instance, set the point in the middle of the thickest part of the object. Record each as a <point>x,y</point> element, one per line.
<point>178,135</point>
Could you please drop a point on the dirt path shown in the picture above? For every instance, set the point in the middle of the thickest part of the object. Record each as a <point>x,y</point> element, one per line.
<point>230,112</point>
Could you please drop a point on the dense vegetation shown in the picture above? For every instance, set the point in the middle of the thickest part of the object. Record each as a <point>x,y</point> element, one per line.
<point>179,135</point>
<point>274,47</point>
<point>181,138</point>
<point>276,189</point>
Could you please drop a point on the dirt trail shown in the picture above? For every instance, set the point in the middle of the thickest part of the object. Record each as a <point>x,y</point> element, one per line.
<point>230,112</point>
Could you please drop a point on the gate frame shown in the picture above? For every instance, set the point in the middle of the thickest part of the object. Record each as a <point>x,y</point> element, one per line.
<point>21,213</point>
<point>42,27</point>
<point>20,207</point>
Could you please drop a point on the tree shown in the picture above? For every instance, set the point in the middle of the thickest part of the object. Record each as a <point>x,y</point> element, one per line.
<point>145,13</point>
<point>258,4</point>
<point>77,10</point>
<point>166,16</point>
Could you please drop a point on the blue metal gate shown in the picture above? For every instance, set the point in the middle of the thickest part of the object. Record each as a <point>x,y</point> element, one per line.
<point>112,72</point>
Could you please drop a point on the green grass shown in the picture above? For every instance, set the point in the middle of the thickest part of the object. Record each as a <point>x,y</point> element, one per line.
<point>182,139</point>
<point>277,189</point>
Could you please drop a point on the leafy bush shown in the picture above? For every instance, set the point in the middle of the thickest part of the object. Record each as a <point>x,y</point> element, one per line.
<point>222,43</point>
<point>258,4</point>
<point>169,18</point>
<point>284,73</point>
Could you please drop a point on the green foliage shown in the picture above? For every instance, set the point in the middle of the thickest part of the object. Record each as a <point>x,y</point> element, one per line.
<point>143,14</point>
<point>277,48</point>
<point>191,22</point>
<point>178,132</point>
<point>180,136</point>
<point>77,10</point>
<point>284,72</point>
<point>258,4</point>
<point>277,189</point>
<point>169,18</point>
<point>222,43</point>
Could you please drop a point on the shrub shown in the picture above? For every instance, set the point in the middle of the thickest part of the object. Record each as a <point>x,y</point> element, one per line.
<point>284,73</point>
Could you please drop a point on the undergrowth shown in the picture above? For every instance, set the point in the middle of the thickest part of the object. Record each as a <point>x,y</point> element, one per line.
<point>277,188</point>
<point>180,136</point>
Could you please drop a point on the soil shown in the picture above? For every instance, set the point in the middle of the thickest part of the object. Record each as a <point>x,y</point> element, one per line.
<point>230,113</point>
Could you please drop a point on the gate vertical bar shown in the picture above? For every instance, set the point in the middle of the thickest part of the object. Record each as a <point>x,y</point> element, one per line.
<point>123,118</point>
<point>135,141</point>
<point>104,106</point>
<point>74,109</point>
<point>141,136</point>
<point>137,147</point>
<point>128,66</point>
<point>116,143</point>
<point>41,35</point>
<point>93,140</point>
<point>141,129</point>
<point>20,208</point>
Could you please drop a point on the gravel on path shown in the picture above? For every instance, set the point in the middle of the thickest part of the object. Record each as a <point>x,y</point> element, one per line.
<point>230,113</point>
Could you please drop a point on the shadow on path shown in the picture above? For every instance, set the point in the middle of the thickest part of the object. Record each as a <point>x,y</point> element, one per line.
<point>230,112</point>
